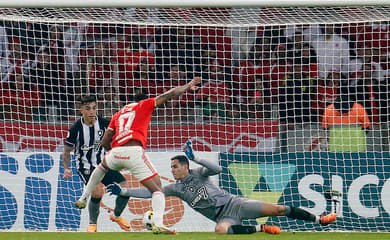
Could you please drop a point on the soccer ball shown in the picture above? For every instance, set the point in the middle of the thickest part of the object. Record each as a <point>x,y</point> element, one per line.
<point>147,219</point>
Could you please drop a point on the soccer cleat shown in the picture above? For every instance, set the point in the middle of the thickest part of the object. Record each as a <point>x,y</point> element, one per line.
<point>325,220</point>
<point>92,228</point>
<point>81,203</point>
<point>121,222</point>
<point>162,229</point>
<point>270,229</point>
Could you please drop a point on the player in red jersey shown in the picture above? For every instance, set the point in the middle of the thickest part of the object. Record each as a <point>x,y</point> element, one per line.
<point>126,139</point>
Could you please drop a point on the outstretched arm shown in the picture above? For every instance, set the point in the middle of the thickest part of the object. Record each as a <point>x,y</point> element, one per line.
<point>207,169</point>
<point>116,189</point>
<point>177,91</point>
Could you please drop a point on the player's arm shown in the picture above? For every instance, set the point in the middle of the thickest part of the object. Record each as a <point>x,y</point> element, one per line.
<point>107,138</point>
<point>177,91</point>
<point>66,161</point>
<point>208,168</point>
<point>116,189</point>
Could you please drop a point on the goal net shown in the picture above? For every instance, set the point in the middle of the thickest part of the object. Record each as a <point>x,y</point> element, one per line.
<point>293,104</point>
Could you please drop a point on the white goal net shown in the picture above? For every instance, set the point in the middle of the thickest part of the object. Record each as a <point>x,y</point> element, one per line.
<point>294,100</point>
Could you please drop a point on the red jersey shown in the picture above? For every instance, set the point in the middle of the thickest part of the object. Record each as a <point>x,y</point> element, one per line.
<point>132,122</point>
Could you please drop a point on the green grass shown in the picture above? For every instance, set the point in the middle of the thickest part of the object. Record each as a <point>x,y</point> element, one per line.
<point>188,236</point>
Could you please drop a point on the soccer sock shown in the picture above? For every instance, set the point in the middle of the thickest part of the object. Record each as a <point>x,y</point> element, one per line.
<point>240,229</point>
<point>120,204</point>
<point>94,209</point>
<point>158,206</point>
<point>299,213</point>
<point>96,177</point>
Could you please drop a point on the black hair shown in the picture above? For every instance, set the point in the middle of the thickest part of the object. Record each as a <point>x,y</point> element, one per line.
<point>182,159</point>
<point>343,104</point>
<point>87,99</point>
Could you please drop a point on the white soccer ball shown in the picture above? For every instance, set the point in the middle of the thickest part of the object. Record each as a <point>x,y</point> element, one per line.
<point>147,219</point>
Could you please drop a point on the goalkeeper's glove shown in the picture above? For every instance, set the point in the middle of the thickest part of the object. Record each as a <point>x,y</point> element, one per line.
<point>114,189</point>
<point>189,152</point>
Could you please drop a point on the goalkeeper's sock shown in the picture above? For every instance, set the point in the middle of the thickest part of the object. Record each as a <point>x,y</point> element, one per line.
<point>95,178</point>
<point>158,206</point>
<point>300,214</point>
<point>94,209</point>
<point>120,204</point>
<point>240,229</point>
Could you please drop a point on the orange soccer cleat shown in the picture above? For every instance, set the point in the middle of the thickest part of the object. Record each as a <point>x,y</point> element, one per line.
<point>325,220</point>
<point>270,229</point>
<point>121,222</point>
<point>92,228</point>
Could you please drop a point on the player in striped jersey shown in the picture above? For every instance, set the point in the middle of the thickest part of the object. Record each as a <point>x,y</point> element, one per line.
<point>126,140</point>
<point>227,210</point>
<point>84,137</point>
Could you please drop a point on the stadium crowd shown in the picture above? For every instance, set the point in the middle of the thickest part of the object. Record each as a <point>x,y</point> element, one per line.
<point>247,72</point>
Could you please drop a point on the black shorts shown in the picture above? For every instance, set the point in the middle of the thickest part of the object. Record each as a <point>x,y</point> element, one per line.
<point>110,177</point>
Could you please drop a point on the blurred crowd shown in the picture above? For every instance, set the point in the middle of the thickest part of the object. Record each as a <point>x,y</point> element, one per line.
<point>292,72</point>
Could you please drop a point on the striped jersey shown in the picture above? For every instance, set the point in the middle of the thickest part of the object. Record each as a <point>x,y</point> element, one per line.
<point>86,141</point>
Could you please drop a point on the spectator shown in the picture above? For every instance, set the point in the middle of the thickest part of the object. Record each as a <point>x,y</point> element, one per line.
<point>371,94</point>
<point>214,96</point>
<point>45,76</point>
<point>98,71</point>
<point>332,51</point>
<point>16,58</point>
<point>295,96</point>
<point>177,45</point>
<point>260,102</point>
<point>21,100</point>
<point>110,103</point>
<point>144,78</point>
<point>281,67</point>
<point>73,39</point>
<point>178,109</point>
<point>243,40</point>
<point>341,117</point>
<point>326,93</point>
<point>366,56</point>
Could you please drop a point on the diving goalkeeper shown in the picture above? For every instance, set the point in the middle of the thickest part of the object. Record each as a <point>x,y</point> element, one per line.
<point>227,210</point>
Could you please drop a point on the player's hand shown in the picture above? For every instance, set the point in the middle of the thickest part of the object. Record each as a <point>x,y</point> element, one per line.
<point>114,189</point>
<point>188,151</point>
<point>194,82</point>
<point>67,173</point>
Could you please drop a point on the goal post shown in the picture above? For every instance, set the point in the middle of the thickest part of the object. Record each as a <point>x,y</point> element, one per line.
<point>279,82</point>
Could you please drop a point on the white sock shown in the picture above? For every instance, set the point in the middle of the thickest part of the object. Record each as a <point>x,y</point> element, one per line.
<point>258,228</point>
<point>158,206</point>
<point>95,178</point>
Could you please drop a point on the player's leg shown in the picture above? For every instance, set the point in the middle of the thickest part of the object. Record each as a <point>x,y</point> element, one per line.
<point>241,208</point>
<point>269,209</point>
<point>96,177</point>
<point>228,227</point>
<point>121,201</point>
<point>94,207</point>
<point>158,204</point>
<point>142,168</point>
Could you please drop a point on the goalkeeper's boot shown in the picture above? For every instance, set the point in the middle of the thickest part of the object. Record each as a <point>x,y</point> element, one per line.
<point>81,203</point>
<point>121,222</point>
<point>325,220</point>
<point>162,229</point>
<point>92,228</point>
<point>270,229</point>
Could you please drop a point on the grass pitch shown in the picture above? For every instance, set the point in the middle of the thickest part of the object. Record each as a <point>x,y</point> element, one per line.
<point>189,236</point>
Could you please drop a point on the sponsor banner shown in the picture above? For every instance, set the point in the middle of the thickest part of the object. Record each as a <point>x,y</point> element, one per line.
<point>34,196</point>
<point>227,137</point>
<point>300,179</point>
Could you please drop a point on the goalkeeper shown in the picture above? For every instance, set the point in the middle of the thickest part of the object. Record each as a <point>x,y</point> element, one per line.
<point>227,210</point>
